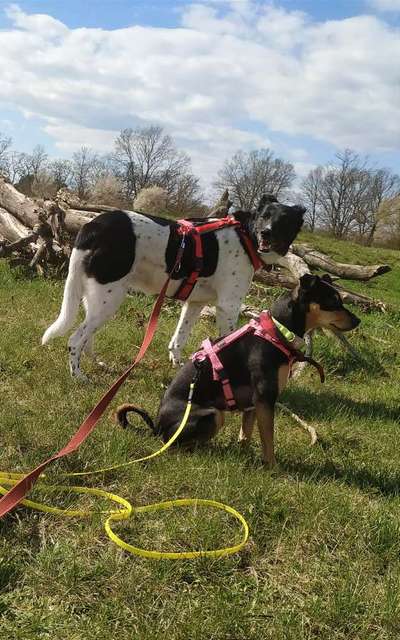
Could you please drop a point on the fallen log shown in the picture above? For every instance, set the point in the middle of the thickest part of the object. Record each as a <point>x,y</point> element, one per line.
<point>7,249</point>
<point>282,279</point>
<point>22,208</point>
<point>359,299</point>
<point>29,212</point>
<point>315,258</point>
<point>11,228</point>
<point>74,221</point>
<point>289,281</point>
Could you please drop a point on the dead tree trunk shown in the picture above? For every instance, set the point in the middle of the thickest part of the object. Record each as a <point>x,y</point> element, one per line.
<point>53,225</point>
<point>287,280</point>
<point>348,271</point>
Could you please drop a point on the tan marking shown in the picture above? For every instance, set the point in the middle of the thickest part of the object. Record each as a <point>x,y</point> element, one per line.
<point>246,430</point>
<point>265,423</point>
<point>317,317</point>
<point>283,374</point>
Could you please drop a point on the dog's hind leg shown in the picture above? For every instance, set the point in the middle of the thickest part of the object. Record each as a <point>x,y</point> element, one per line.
<point>88,349</point>
<point>189,314</point>
<point>246,430</point>
<point>198,430</point>
<point>102,302</point>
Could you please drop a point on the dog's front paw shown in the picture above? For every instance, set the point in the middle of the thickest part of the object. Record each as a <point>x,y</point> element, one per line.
<point>270,463</point>
<point>81,378</point>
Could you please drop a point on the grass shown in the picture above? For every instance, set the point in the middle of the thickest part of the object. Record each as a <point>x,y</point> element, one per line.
<point>323,560</point>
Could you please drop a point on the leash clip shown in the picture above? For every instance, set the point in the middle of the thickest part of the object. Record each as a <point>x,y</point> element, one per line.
<point>180,252</point>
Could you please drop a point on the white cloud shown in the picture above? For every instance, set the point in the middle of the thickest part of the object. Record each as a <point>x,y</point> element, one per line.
<point>231,71</point>
<point>385,5</point>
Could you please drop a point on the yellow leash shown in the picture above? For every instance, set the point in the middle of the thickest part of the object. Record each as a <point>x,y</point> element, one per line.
<point>127,511</point>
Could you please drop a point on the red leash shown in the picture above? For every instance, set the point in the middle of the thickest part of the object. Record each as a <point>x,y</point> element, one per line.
<point>19,491</point>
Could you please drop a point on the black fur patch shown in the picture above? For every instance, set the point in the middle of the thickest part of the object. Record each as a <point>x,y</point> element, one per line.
<point>210,252</point>
<point>111,241</point>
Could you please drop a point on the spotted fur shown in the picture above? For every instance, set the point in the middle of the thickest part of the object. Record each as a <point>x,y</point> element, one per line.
<point>125,250</point>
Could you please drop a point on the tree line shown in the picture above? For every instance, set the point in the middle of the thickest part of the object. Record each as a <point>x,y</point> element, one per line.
<point>352,196</point>
<point>347,196</point>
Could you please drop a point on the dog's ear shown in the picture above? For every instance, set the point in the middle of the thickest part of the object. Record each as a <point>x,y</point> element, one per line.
<point>242,216</point>
<point>308,281</point>
<point>326,278</point>
<point>266,198</point>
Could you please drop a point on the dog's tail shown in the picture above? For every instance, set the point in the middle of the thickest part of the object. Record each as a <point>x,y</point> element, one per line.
<point>122,411</point>
<point>71,300</point>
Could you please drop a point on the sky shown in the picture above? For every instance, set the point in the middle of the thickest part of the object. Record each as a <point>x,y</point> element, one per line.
<point>305,78</point>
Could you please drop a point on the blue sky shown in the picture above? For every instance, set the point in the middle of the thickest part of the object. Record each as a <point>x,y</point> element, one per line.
<point>306,78</point>
<point>114,14</point>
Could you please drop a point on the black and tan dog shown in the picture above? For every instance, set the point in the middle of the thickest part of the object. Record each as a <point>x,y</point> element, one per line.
<point>257,371</point>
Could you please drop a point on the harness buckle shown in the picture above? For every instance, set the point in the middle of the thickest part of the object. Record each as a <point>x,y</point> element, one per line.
<point>180,252</point>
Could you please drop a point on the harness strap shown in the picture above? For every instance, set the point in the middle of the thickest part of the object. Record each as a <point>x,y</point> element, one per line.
<point>185,289</point>
<point>186,227</point>
<point>219,373</point>
<point>250,249</point>
<point>264,328</point>
<point>267,329</point>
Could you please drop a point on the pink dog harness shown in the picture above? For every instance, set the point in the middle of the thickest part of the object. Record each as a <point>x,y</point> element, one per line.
<point>264,328</point>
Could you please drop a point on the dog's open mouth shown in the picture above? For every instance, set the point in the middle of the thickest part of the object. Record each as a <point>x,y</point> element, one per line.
<point>336,329</point>
<point>264,246</point>
<point>268,247</point>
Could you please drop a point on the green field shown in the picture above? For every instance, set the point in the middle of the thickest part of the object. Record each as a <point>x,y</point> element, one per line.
<point>323,560</point>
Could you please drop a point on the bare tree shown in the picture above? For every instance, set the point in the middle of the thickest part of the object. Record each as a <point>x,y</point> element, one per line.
<point>36,162</point>
<point>13,166</point>
<point>146,157</point>
<point>5,143</point>
<point>31,166</point>
<point>388,228</point>
<point>186,198</point>
<point>61,172</point>
<point>83,172</point>
<point>382,185</point>
<point>249,175</point>
<point>341,191</point>
<point>310,193</point>
<point>345,195</point>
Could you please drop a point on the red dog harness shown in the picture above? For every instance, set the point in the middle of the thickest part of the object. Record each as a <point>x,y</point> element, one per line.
<point>264,328</point>
<point>186,227</point>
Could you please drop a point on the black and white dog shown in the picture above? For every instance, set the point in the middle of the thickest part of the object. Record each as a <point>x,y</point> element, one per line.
<point>124,250</point>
